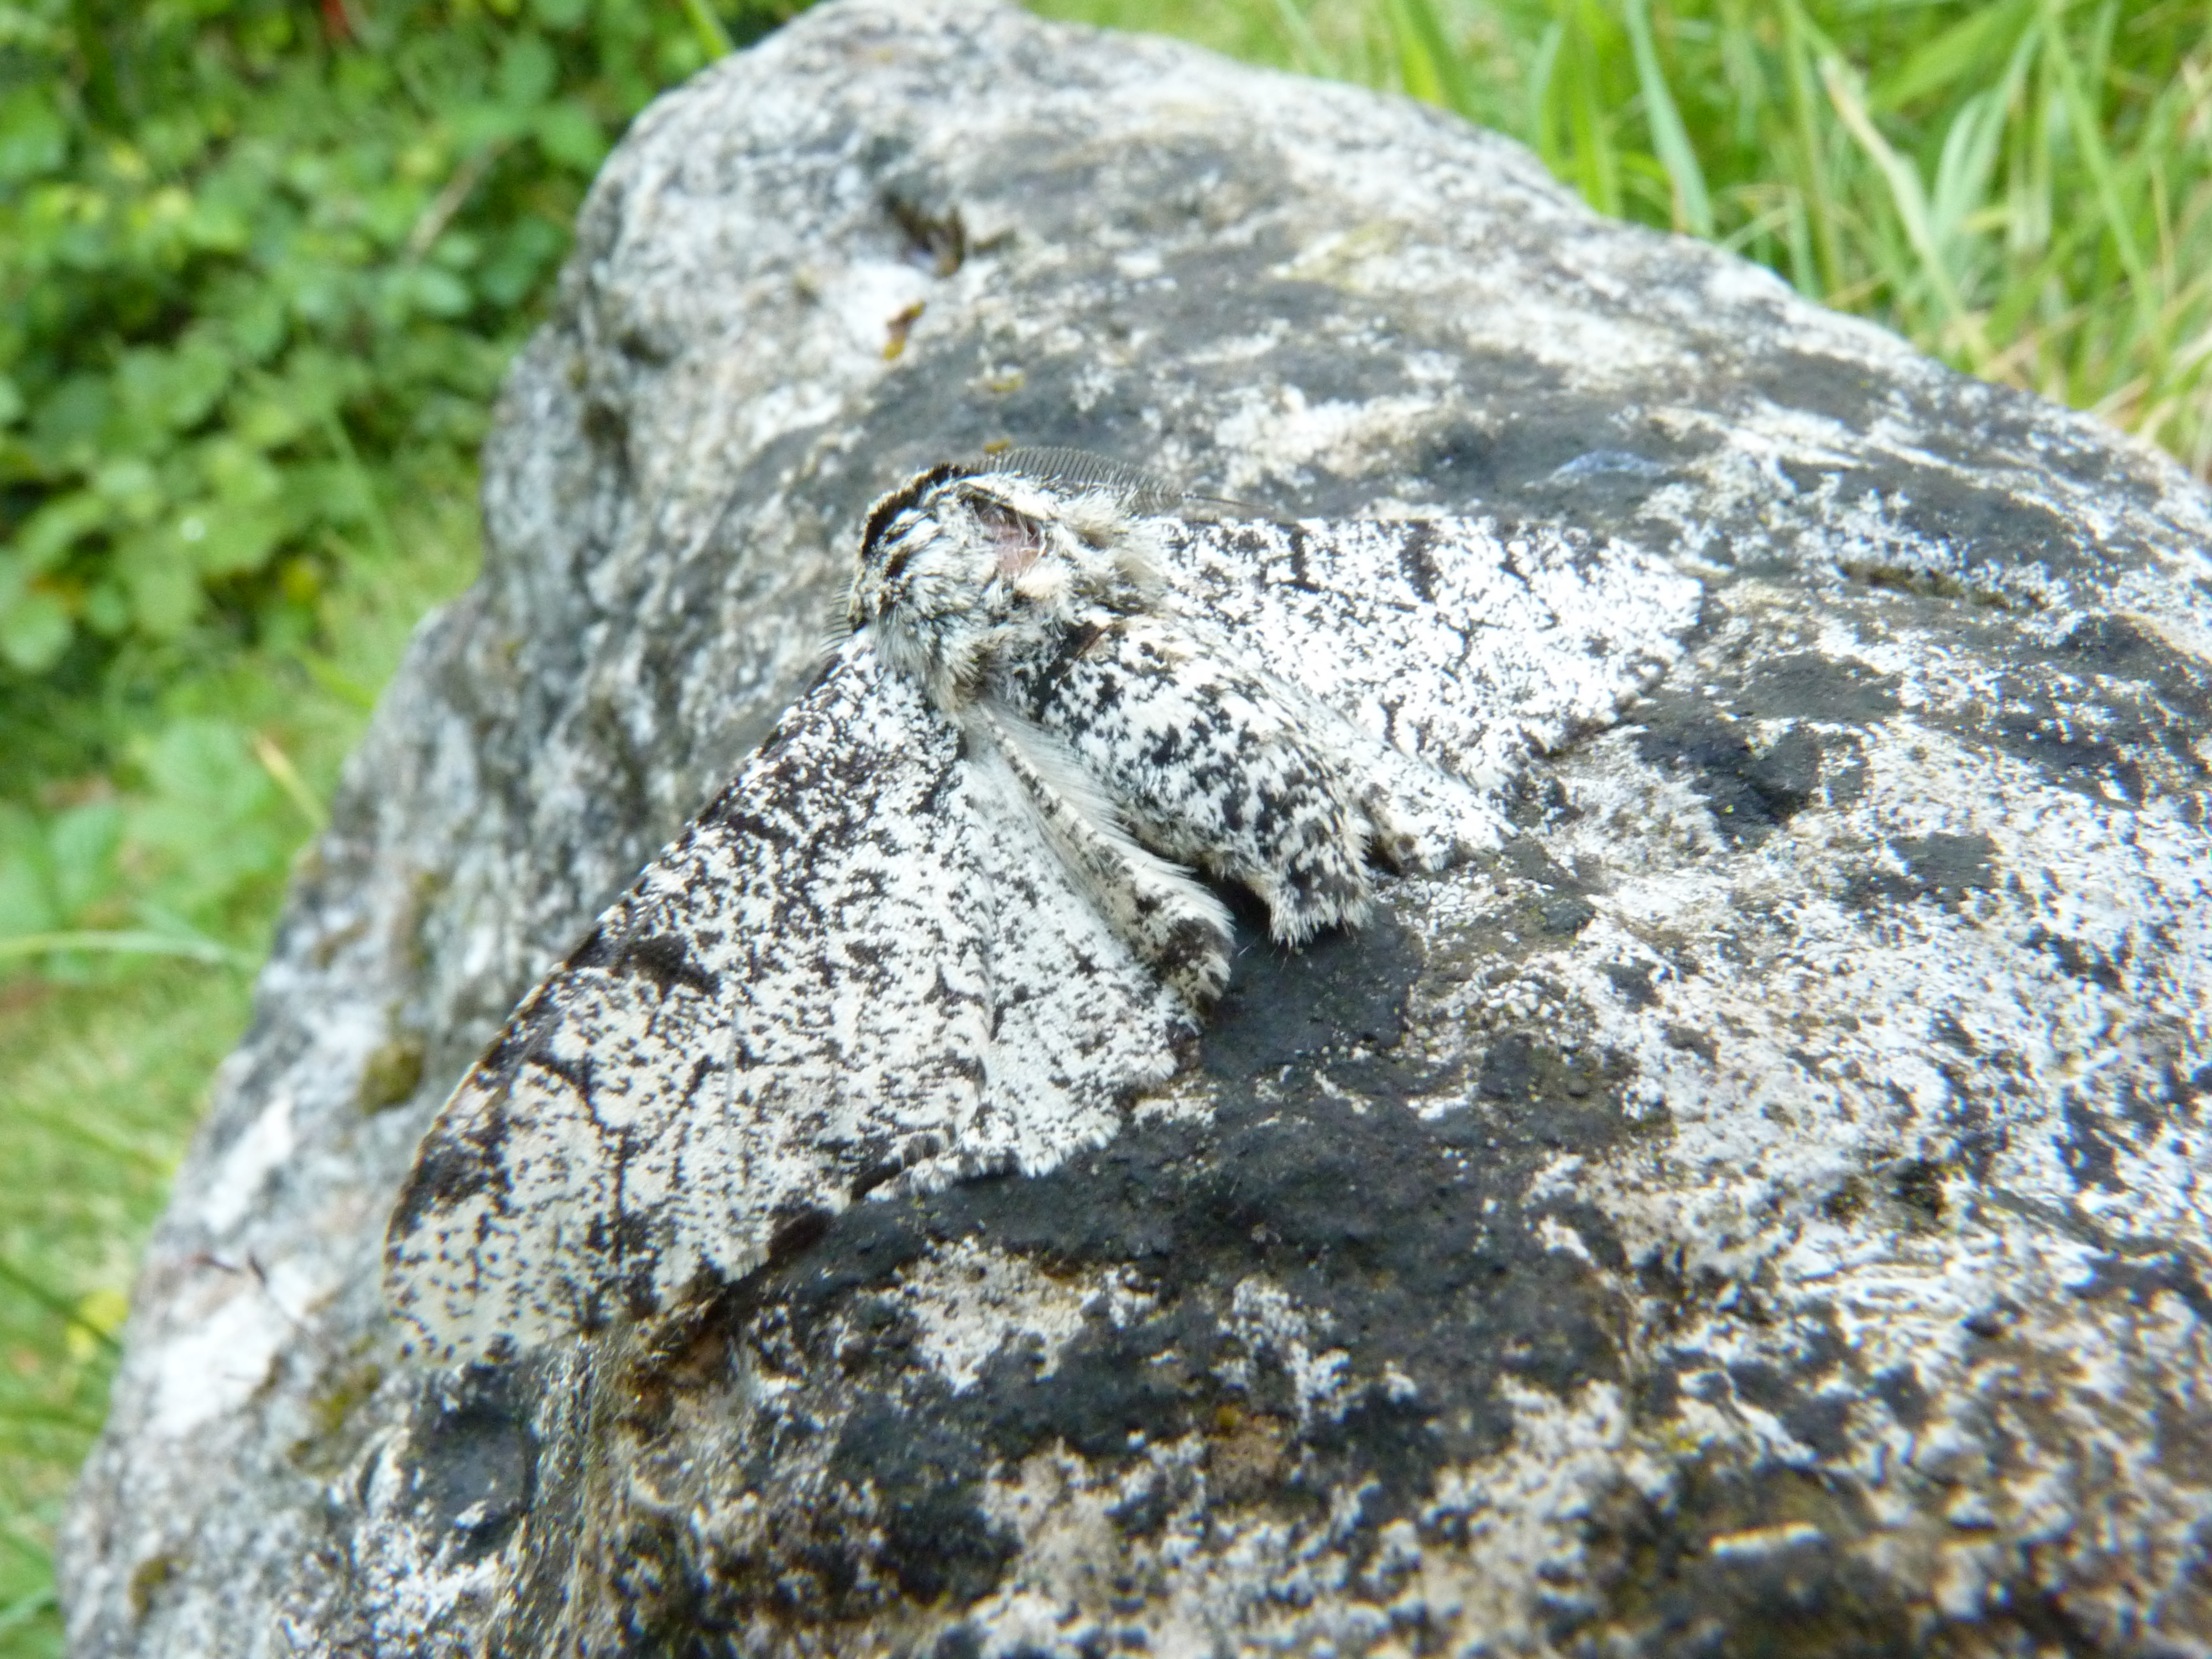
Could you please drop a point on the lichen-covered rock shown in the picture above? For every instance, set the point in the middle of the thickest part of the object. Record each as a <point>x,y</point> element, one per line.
<point>1759,1210</point>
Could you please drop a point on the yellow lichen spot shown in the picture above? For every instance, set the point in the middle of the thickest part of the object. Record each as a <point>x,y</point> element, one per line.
<point>900,327</point>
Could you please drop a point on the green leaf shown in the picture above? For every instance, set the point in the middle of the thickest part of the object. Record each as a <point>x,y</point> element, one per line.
<point>81,842</point>
<point>34,629</point>
<point>433,292</point>
<point>1427,65</point>
<point>175,389</point>
<point>231,539</point>
<point>570,135</point>
<point>33,138</point>
<point>162,581</point>
<point>527,70</point>
<point>70,416</point>
<point>49,534</point>
<point>26,896</point>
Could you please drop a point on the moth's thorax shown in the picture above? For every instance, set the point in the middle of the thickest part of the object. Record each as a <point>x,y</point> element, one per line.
<point>966,574</point>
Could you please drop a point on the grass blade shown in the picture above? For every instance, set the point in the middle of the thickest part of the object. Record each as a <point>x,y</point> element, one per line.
<point>1427,64</point>
<point>138,942</point>
<point>1670,138</point>
<point>2089,144</point>
<point>1907,196</point>
<point>714,39</point>
<point>1306,49</point>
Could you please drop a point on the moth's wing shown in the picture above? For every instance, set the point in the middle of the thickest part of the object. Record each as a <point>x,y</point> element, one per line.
<point>1464,642</point>
<point>861,969</point>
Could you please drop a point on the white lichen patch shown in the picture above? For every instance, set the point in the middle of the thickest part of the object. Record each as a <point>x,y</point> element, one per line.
<point>969,1302</point>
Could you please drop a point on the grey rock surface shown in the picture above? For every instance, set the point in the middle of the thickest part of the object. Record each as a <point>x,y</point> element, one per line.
<point>1760,1210</point>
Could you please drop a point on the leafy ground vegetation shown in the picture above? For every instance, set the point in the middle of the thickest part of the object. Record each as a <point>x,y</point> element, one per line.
<point>262,262</point>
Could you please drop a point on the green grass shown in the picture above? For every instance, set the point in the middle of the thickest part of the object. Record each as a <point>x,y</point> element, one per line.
<point>260,264</point>
<point>100,1095</point>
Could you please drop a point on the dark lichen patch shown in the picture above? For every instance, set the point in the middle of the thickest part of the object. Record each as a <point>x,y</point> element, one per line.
<point>1807,685</point>
<point>1916,1186</point>
<point>1634,981</point>
<point>149,1577</point>
<point>1531,447</point>
<point>333,1407</point>
<point>2078,959</point>
<point>1751,790</point>
<point>922,1478</point>
<point>2143,1274</point>
<point>391,1074</point>
<point>2110,711</point>
<point>1900,1388</point>
<point>1740,1561</point>
<point>1941,867</point>
<point>1347,987</point>
<point>1955,528</point>
<point>2091,1156</point>
<point>473,1453</point>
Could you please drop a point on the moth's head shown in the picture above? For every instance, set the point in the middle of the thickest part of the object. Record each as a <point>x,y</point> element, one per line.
<point>958,543</point>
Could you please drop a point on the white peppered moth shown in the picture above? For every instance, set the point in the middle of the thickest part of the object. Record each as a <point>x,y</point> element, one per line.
<point>948,919</point>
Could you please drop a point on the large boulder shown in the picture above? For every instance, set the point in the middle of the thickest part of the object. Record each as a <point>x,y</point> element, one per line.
<point>1759,1209</point>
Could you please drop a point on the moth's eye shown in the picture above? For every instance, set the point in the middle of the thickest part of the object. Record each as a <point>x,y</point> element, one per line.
<point>1016,539</point>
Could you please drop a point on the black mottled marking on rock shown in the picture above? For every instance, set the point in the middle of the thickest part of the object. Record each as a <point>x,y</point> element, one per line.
<point>1977,524</point>
<point>1918,1185</point>
<point>1806,685</point>
<point>1816,1421</point>
<point>2143,1278</point>
<point>926,1478</point>
<point>793,1233</point>
<point>1528,859</point>
<point>1941,867</point>
<point>1347,986</point>
<point>2089,1154</point>
<point>1787,775</point>
<point>1900,1388</point>
<point>2109,712</point>
<point>2075,958</point>
<point>1536,450</point>
<point>1565,914</point>
<point>1634,981</point>
<point>1413,1244</point>
<point>473,1455</point>
<point>1750,791</point>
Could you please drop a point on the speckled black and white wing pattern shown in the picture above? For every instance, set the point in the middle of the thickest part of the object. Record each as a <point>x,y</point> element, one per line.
<point>949,918</point>
<point>1465,643</point>
<point>861,970</point>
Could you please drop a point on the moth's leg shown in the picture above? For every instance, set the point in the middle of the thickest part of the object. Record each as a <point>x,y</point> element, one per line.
<point>1171,923</point>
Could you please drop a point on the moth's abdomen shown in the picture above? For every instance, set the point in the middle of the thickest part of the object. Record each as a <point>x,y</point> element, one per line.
<point>1214,764</point>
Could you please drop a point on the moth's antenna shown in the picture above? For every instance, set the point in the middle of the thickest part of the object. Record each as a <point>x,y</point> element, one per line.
<point>1146,494</point>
